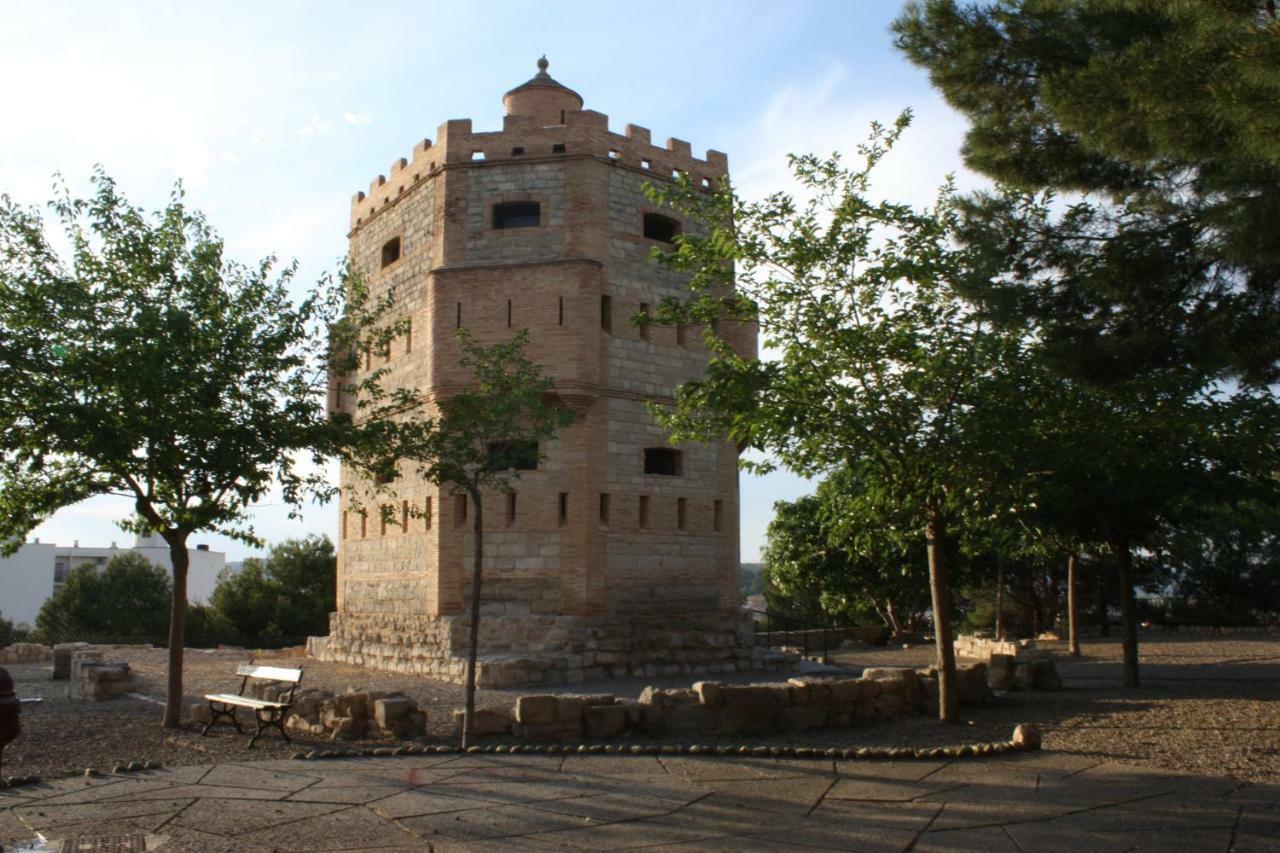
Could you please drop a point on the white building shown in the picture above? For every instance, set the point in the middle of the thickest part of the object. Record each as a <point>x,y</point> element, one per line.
<point>29,577</point>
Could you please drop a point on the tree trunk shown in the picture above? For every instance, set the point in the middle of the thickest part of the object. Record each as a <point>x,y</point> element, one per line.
<point>177,628</point>
<point>468,720</point>
<point>1128,611</point>
<point>1104,628</point>
<point>936,536</point>
<point>999,598</point>
<point>1073,621</point>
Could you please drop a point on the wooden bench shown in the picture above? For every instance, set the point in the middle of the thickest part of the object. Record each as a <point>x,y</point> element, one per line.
<point>224,705</point>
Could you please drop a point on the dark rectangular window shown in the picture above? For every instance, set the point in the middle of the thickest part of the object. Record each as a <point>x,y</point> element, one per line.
<point>604,509</point>
<point>511,509</point>
<point>716,513</point>
<point>606,313</point>
<point>564,508</point>
<point>508,313</point>
<point>561,310</point>
<point>644,512</point>
<point>517,151</point>
<point>426,515</point>
<point>404,517</point>
<point>459,510</point>
<point>659,227</point>
<point>662,461</point>
<point>520,455</point>
<point>517,214</point>
<point>391,251</point>
<point>558,148</point>
<point>457,323</point>
<point>364,524</point>
<point>681,518</point>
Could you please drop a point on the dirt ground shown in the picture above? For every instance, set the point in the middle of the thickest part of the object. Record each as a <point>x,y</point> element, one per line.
<point>1208,705</point>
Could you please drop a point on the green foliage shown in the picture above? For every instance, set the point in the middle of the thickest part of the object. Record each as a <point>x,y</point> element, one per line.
<point>287,596</point>
<point>1158,122</point>
<point>10,633</point>
<point>814,573</point>
<point>127,599</point>
<point>146,365</point>
<point>750,579</point>
<point>149,366</point>
<point>883,370</point>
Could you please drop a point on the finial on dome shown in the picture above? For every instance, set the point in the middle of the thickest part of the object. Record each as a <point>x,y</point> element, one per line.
<point>542,65</point>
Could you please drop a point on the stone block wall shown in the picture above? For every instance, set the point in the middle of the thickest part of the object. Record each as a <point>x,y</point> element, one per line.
<point>26,653</point>
<point>711,708</point>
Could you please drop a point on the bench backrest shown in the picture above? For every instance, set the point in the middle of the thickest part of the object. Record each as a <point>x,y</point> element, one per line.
<point>270,673</point>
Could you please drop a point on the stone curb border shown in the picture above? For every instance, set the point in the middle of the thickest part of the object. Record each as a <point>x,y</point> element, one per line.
<point>1026,739</point>
<point>89,773</point>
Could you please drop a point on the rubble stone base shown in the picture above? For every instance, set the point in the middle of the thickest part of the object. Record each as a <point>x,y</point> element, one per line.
<point>542,650</point>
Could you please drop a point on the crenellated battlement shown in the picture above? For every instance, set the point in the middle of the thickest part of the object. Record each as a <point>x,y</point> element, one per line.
<point>585,133</point>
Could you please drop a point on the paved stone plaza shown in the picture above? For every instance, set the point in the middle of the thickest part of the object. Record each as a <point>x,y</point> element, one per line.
<point>1039,802</point>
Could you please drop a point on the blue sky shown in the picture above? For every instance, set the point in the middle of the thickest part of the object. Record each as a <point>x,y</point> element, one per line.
<point>275,114</point>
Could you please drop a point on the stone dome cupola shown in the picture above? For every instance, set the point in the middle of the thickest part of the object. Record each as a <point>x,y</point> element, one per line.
<point>542,98</point>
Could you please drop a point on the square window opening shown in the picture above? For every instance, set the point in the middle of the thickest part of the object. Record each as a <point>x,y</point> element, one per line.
<point>645,164</point>
<point>517,214</point>
<point>659,227</point>
<point>513,455</point>
<point>663,461</point>
<point>558,148</point>
<point>477,155</point>
<point>390,251</point>
<point>614,154</point>
<point>517,151</point>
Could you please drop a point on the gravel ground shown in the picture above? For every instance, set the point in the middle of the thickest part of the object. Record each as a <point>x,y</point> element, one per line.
<point>1208,705</point>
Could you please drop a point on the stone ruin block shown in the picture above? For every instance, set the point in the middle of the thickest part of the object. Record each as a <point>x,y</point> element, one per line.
<point>605,720</point>
<point>488,721</point>
<point>25,653</point>
<point>93,678</point>
<point>356,714</point>
<point>62,654</point>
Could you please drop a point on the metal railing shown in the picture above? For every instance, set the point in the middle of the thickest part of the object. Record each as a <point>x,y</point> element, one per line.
<point>780,630</point>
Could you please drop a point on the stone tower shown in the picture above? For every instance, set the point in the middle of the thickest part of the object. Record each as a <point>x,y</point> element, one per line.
<point>618,553</point>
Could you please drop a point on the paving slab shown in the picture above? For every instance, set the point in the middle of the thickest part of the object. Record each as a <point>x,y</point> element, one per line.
<point>1039,802</point>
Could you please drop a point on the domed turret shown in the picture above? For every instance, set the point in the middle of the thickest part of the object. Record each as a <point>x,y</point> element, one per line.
<point>542,97</point>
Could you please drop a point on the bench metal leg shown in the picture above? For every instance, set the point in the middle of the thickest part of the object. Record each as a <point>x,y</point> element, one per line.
<point>217,712</point>
<point>269,718</point>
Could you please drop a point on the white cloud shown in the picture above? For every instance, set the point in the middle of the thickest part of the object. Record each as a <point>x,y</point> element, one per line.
<point>357,119</point>
<point>315,126</point>
<point>825,114</point>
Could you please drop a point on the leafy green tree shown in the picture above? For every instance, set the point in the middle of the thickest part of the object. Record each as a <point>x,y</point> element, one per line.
<point>128,598</point>
<point>146,365</point>
<point>1158,124</point>
<point>290,594</point>
<point>882,369</point>
<point>471,442</point>
<point>9,633</point>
